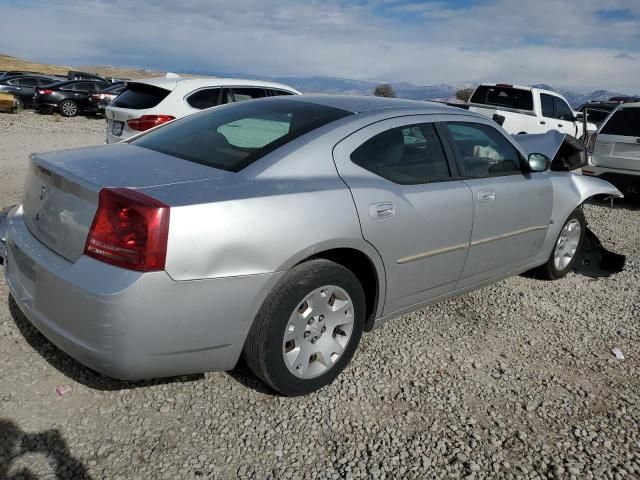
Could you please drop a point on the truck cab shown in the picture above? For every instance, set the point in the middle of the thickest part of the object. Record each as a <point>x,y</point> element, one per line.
<point>529,110</point>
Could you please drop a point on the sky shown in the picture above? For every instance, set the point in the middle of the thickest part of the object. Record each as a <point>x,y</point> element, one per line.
<point>578,44</point>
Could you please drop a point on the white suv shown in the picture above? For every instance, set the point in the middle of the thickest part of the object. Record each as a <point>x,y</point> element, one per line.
<point>151,102</point>
<point>615,149</point>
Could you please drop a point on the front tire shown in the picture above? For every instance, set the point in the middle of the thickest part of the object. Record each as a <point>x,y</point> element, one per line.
<point>68,108</point>
<point>567,246</point>
<point>308,328</point>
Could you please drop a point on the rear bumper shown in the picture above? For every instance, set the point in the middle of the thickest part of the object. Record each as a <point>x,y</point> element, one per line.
<point>622,179</point>
<point>125,324</point>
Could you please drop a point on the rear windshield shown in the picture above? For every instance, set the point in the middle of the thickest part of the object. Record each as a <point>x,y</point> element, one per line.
<point>625,121</point>
<point>503,97</point>
<point>233,137</point>
<point>140,96</point>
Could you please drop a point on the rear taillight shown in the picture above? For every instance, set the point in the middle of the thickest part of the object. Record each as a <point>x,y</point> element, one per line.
<point>45,91</point>
<point>591,143</point>
<point>146,122</point>
<point>129,230</point>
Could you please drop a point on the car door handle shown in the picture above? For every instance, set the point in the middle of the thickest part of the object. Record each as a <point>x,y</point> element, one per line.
<point>382,210</point>
<point>637,140</point>
<point>542,122</point>
<point>486,196</point>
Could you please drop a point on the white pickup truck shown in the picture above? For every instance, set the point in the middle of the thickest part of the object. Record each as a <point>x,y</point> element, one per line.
<point>527,109</point>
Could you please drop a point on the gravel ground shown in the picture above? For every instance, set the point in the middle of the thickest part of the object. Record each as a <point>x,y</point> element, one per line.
<point>513,381</point>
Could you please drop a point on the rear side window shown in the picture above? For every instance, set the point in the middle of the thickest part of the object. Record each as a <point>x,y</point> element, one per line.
<point>140,96</point>
<point>503,97</point>
<point>275,93</point>
<point>205,98</point>
<point>406,155</point>
<point>625,122</point>
<point>233,137</point>
<point>242,94</point>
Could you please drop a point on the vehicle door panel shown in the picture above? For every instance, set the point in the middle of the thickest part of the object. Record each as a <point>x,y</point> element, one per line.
<point>512,208</point>
<point>421,230</point>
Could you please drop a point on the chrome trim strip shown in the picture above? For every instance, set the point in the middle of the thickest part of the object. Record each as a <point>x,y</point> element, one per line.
<point>432,253</point>
<point>507,235</point>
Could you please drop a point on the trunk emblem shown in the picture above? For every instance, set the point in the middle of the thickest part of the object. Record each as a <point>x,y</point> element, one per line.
<point>43,192</point>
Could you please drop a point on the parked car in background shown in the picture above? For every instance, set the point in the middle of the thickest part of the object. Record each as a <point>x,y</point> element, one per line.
<point>598,110</point>
<point>13,73</point>
<point>614,151</point>
<point>527,109</point>
<point>102,98</point>
<point>305,220</point>
<point>24,86</point>
<point>148,103</point>
<point>74,75</point>
<point>69,98</point>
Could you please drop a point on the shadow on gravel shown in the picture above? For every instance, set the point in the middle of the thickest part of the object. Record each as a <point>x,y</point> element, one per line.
<point>245,377</point>
<point>74,369</point>
<point>14,444</point>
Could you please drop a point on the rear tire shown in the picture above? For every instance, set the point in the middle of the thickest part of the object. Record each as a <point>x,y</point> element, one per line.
<point>308,328</point>
<point>567,246</point>
<point>68,108</point>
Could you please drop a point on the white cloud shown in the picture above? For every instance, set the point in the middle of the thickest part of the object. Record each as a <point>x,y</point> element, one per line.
<point>548,41</point>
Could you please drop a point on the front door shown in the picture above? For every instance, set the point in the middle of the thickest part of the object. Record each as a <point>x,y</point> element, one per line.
<point>512,207</point>
<point>413,206</point>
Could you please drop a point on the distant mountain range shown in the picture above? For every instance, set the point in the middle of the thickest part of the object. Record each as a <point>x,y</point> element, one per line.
<point>440,92</point>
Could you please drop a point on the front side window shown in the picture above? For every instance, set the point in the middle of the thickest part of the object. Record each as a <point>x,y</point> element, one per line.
<point>205,98</point>
<point>27,82</point>
<point>483,151</point>
<point>236,136</point>
<point>83,87</point>
<point>406,155</point>
<point>562,110</point>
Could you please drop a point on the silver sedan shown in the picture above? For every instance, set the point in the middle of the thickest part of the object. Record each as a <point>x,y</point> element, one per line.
<point>280,230</point>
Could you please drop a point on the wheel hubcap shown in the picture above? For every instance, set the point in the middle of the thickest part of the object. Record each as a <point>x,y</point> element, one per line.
<point>68,108</point>
<point>567,244</point>
<point>318,332</point>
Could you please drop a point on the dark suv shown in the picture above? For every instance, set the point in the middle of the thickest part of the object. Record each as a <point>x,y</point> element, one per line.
<point>70,97</point>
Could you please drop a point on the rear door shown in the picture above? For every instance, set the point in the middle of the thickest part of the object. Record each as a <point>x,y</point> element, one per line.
<point>26,88</point>
<point>511,207</point>
<point>618,143</point>
<point>412,205</point>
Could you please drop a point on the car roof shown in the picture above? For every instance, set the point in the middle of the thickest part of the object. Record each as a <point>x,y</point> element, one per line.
<point>193,83</point>
<point>629,105</point>
<point>70,82</point>
<point>361,104</point>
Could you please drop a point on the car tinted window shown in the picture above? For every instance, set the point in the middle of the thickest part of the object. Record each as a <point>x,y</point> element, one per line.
<point>625,121</point>
<point>242,94</point>
<point>406,155</point>
<point>140,96</point>
<point>547,105</point>
<point>83,87</point>
<point>233,137</point>
<point>205,98</point>
<point>483,150</point>
<point>27,82</point>
<point>503,97</point>
<point>274,93</point>
<point>562,110</point>
<point>45,81</point>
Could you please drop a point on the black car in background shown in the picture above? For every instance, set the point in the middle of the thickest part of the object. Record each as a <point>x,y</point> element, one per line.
<point>99,100</point>
<point>24,86</point>
<point>70,97</point>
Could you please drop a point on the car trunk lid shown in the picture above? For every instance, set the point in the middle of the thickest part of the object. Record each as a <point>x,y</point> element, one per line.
<point>61,191</point>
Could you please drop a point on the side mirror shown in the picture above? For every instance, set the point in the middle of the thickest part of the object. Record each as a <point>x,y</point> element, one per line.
<point>538,162</point>
<point>579,115</point>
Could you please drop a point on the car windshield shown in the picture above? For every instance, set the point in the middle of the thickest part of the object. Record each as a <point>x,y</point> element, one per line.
<point>231,138</point>
<point>503,97</point>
